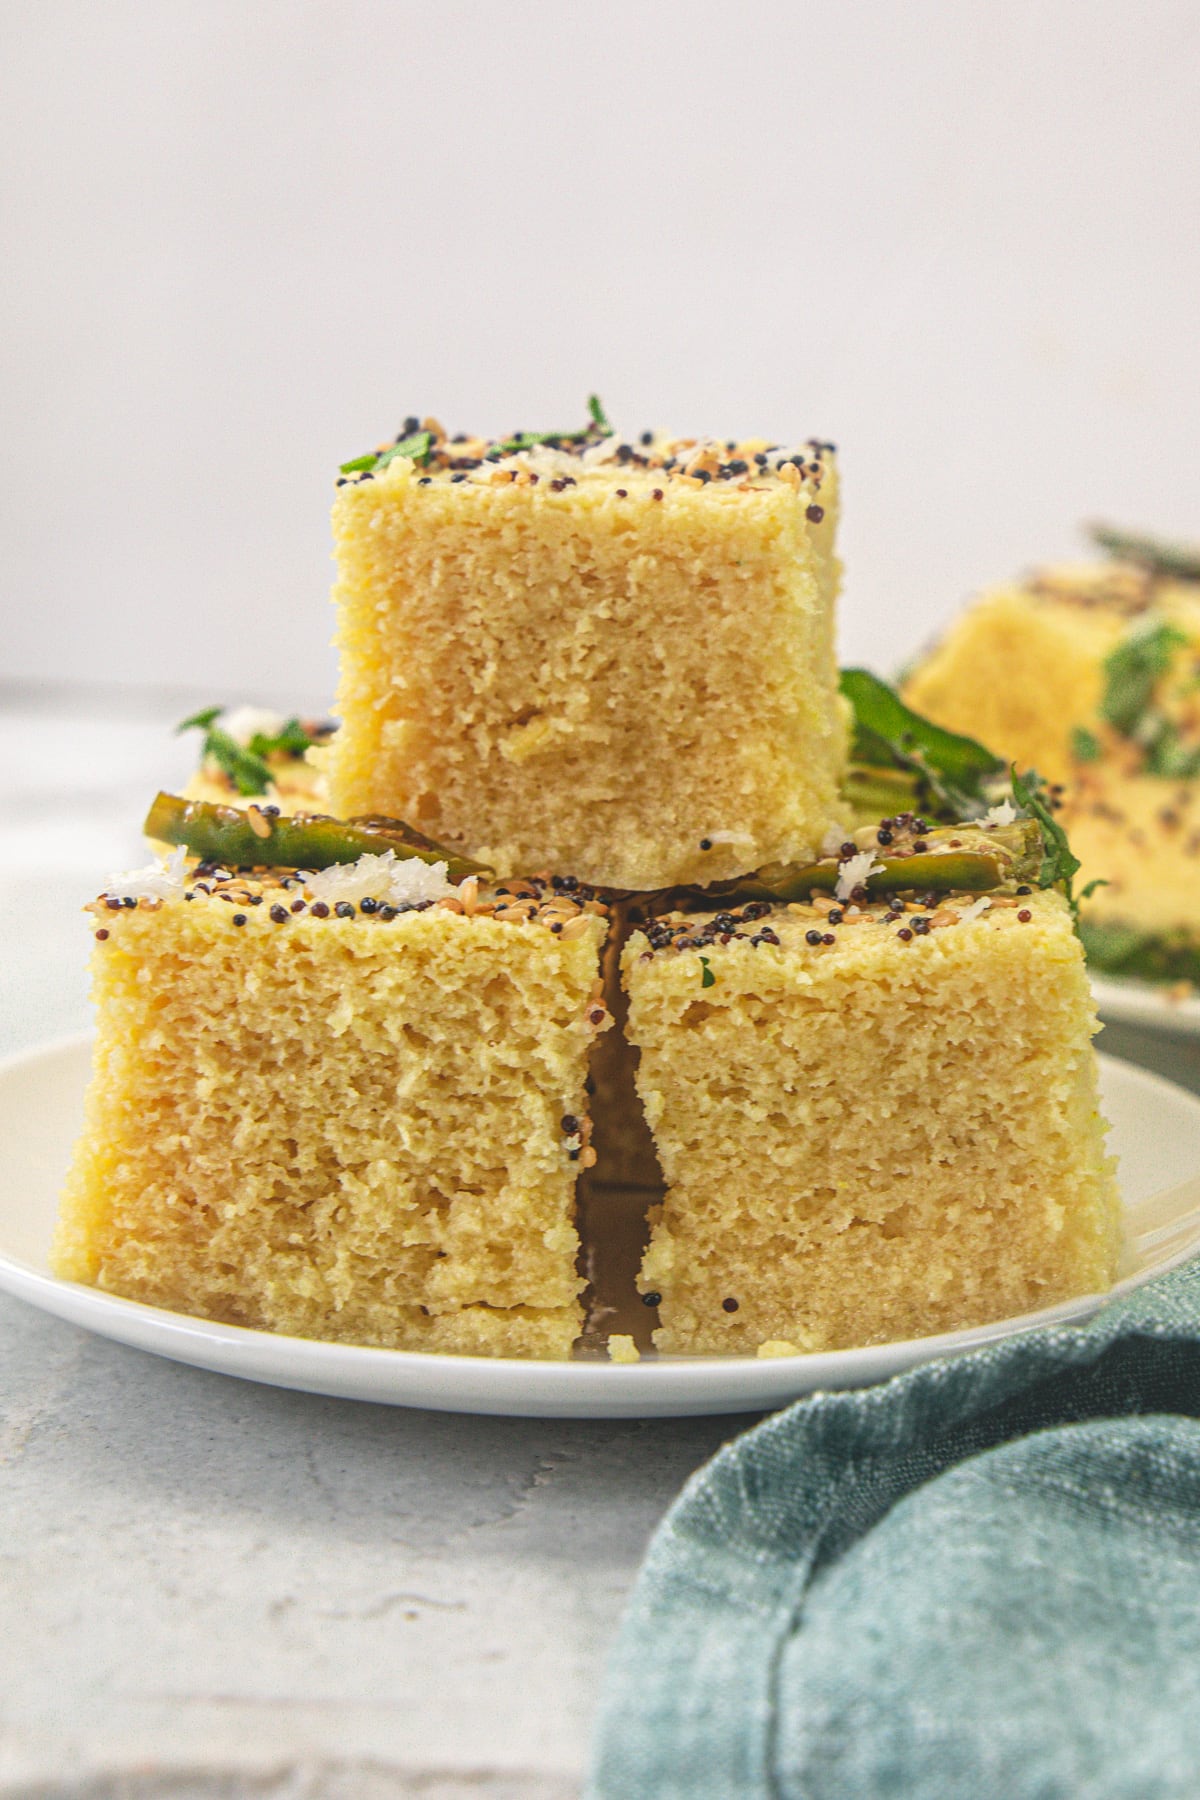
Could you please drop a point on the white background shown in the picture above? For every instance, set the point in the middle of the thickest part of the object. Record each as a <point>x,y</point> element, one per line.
<point>241,240</point>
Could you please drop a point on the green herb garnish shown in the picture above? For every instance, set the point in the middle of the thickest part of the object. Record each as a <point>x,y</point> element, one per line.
<point>1166,752</point>
<point>952,771</point>
<point>419,447</point>
<point>1133,670</point>
<point>1156,555</point>
<point>707,978</point>
<point>1085,745</point>
<point>246,764</point>
<point>245,767</point>
<point>526,440</point>
<point>1126,950</point>
<point>1060,865</point>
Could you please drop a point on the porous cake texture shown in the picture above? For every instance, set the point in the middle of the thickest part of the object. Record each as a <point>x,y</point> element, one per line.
<point>876,1121</point>
<point>320,1112</point>
<point>608,657</point>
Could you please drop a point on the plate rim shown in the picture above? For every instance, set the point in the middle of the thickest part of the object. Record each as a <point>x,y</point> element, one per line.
<point>514,1386</point>
<point>1122,1000</point>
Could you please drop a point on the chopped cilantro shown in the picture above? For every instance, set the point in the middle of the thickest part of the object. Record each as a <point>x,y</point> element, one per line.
<point>1085,745</point>
<point>707,978</point>
<point>525,440</point>
<point>1133,670</point>
<point>1060,865</point>
<point>245,765</point>
<point>418,447</point>
<point>1166,752</point>
<point>201,720</point>
<point>598,415</point>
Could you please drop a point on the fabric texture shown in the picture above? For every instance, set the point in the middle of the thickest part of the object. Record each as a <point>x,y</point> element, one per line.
<point>981,1578</point>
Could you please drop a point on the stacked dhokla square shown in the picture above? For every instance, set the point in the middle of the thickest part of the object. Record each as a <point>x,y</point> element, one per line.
<point>604,656</point>
<point>349,1104</point>
<point>877,1118</point>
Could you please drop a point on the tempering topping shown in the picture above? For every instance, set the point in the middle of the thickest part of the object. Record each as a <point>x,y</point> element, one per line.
<point>562,459</point>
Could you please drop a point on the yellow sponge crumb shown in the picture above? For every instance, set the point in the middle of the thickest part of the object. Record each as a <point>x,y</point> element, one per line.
<point>616,662</point>
<point>336,1120</point>
<point>876,1138</point>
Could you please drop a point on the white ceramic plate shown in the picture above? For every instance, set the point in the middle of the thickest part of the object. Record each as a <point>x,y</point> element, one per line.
<point>1156,1133</point>
<point>1125,1002</point>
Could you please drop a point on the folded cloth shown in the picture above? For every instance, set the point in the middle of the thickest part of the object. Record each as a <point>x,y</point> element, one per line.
<point>979,1579</point>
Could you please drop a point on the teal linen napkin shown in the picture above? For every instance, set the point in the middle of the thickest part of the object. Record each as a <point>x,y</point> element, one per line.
<point>979,1579</point>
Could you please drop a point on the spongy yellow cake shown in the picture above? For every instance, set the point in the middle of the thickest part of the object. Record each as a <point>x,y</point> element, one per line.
<point>587,654</point>
<point>346,1105</point>
<point>1023,668</point>
<point>1089,675</point>
<point>877,1119</point>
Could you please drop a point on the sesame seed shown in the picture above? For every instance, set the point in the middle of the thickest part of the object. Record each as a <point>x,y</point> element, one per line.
<point>729,1305</point>
<point>657,494</point>
<point>101,935</point>
<point>344,909</point>
<point>368,905</point>
<point>812,937</point>
<point>297,906</point>
<point>320,910</point>
<point>569,1124</point>
<point>904,934</point>
<point>622,493</point>
<point>706,843</point>
<point>1024,915</point>
<point>1024,890</point>
<point>828,938</point>
<point>652,1299</point>
<point>815,514</point>
<point>279,914</point>
<point>239,918</point>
